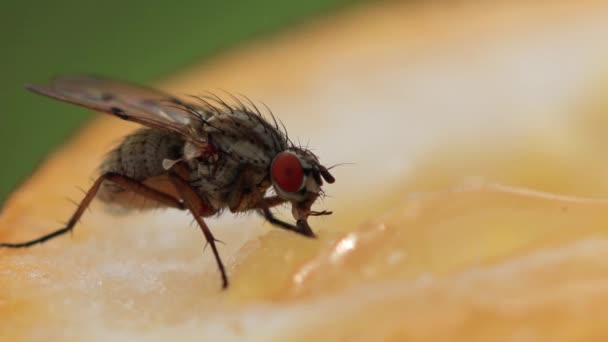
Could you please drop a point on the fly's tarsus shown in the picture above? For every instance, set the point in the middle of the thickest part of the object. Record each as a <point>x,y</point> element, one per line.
<point>39,240</point>
<point>125,182</point>
<point>320,213</point>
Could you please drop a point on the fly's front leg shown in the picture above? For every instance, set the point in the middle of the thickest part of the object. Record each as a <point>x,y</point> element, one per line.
<point>264,206</point>
<point>124,182</point>
<point>199,208</point>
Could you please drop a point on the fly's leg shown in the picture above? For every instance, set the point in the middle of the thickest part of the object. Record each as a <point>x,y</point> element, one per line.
<point>264,205</point>
<point>197,206</point>
<point>124,182</point>
<point>301,227</point>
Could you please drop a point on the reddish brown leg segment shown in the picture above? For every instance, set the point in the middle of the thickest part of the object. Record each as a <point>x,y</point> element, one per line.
<point>125,182</point>
<point>199,208</point>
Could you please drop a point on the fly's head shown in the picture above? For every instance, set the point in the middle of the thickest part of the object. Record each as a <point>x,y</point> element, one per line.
<point>297,176</point>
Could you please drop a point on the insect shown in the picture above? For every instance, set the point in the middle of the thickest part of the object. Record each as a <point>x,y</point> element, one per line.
<point>203,156</point>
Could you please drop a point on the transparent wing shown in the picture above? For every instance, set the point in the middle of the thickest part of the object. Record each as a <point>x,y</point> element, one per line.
<point>149,107</point>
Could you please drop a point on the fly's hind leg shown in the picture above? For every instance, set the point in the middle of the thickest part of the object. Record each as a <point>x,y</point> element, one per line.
<point>124,182</point>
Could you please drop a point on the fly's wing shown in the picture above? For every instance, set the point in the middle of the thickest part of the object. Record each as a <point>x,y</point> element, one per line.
<point>127,101</point>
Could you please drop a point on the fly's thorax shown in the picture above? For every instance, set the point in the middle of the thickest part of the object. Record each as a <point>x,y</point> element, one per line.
<point>231,169</point>
<point>246,137</point>
<point>227,181</point>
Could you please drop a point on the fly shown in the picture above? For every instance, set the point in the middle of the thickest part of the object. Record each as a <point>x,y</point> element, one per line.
<point>202,156</point>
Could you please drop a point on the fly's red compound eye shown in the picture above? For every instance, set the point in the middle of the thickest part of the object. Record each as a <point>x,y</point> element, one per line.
<point>287,172</point>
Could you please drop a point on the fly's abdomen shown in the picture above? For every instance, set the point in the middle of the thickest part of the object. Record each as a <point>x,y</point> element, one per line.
<point>140,156</point>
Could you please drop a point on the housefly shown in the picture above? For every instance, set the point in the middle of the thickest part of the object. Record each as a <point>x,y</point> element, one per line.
<point>202,155</point>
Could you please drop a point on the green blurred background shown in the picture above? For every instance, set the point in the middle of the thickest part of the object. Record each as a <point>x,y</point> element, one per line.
<point>136,40</point>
